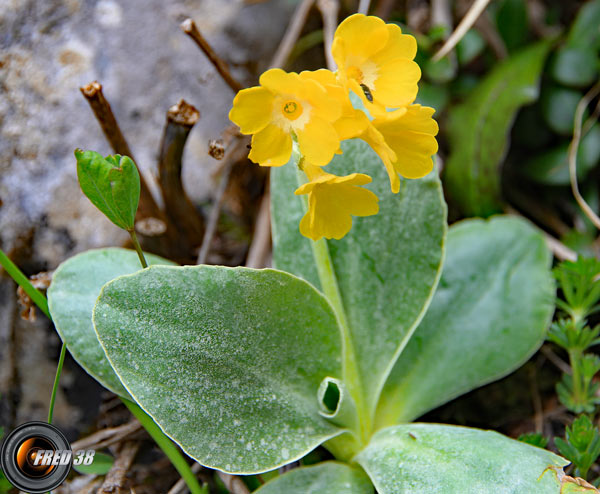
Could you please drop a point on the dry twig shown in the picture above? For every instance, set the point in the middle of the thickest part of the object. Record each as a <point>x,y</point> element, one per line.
<point>178,207</point>
<point>103,113</point>
<point>292,33</point>
<point>189,27</point>
<point>261,241</point>
<point>329,12</point>
<point>180,486</point>
<point>106,437</point>
<point>465,24</point>
<point>233,155</point>
<point>114,483</point>
<point>234,484</point>
<point>574,147</point>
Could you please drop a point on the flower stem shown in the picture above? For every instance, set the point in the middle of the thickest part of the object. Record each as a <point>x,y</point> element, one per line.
<point>167,447</point>
<point>138,248</point>
<point>330,289</point>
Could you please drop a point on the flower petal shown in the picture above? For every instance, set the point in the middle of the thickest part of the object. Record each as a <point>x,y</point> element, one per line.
<point>318,141</point>
<point>280,82</point>
<point>398,46</point>
<point>396,84</point>
<point>362,36</point>
<point>271,146</point>
<point>252,109</point>
<point>375,139</point>
<point>412,137</point>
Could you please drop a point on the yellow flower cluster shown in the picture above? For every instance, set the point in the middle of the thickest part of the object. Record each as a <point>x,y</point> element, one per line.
<point>314,109</point>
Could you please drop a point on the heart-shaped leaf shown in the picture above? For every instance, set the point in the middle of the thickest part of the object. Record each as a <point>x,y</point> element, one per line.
<point>72,295</point>
<point>228,362</point>
<point>386,267</point>
<point>112,183</point>
<point>489,314</point>
<point>444,459</point>
<point>329,477</point>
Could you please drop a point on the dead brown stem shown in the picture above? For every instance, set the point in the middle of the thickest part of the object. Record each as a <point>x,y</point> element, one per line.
<point>116,477</point>
<point>106,437</point>
<point>234,484</point>
<point>178,207</point>
<point>261,241</point>
<point>189,27</point>
<point>103,113</point>
<point>233,155</point>
<point>292,33</point>
<point>329,12</point>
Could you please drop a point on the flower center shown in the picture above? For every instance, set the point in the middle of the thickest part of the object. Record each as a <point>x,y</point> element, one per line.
<point>292,110</point>
<point>355,73</point>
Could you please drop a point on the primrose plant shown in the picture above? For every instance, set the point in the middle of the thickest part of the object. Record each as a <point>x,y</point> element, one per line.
<point>358,331</point>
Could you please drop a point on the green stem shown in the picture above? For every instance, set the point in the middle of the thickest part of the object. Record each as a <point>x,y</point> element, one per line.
<point>61,361</point>
<point>138,248</point>
<point>574,358</point>
<point>15,273</point>
<point>168,448</point>
<point>330,289</point>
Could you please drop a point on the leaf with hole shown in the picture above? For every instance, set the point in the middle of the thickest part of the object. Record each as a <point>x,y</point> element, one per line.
<point>386,267</point>
<point>227,361</point>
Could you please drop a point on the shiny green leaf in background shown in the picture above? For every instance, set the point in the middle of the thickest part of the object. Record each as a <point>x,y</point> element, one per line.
<point>444,459</point>
<point>585,31</point>
<point>386,267</point>
<point>112,184</point>
<point>227,361</point>
<point>558,108</point>
<point>75,287</point>
<point>489,314</point>
<point>325,478</point>
<point>575,67</point>
<point>479,130</point>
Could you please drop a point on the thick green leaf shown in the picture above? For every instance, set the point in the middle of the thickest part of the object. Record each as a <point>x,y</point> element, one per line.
<point>443,459</point>
<point>100,466</point>
<point>387,266</point>
<point>228,362</point>
<point>479,130</point>
<point>489,314</point>
<point>75,287</point>
<point>325,478</point>
<point>111,183</point>
<point>512,23</point>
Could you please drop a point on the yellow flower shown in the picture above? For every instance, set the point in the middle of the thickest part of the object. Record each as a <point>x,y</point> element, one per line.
<point>351,122</point>
<point>375,60</point>
<point>409,133</point>
<point>331,202</point>
<point>286,104</point>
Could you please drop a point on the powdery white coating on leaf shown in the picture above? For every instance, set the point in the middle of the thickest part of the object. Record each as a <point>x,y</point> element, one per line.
<point>494,304</point>
<point>325,478</point>
<point>387,266</point>
<point>75,287</point>
<point>227,361</point>
<point>443,459</point>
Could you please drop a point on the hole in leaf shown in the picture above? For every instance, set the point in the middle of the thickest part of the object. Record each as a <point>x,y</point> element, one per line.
<point>331,397</point>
